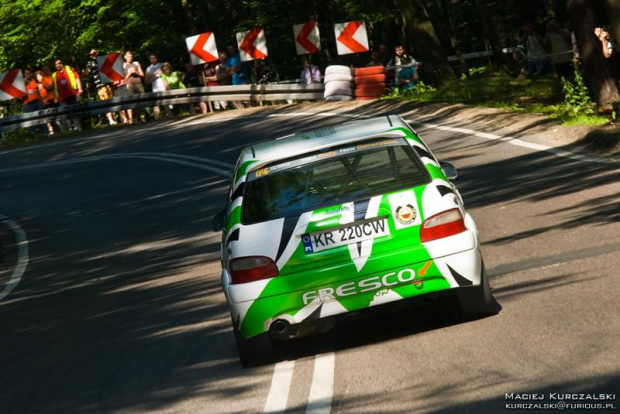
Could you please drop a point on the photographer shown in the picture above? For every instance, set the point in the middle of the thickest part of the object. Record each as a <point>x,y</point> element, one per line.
<point>603,36</point>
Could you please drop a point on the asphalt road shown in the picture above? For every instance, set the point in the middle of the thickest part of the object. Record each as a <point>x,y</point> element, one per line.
<point>119,308</point>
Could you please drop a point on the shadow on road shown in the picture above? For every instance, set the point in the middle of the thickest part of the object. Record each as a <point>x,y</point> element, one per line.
<point>121,307</point>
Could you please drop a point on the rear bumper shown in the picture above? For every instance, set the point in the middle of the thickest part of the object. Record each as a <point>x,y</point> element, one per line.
<point>300,308</point>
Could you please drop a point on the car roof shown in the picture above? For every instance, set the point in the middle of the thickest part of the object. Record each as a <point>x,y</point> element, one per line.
<point>321,138</point>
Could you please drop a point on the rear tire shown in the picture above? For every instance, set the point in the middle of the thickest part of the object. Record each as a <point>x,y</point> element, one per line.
<point>477,302</point>
<point>255,351</point>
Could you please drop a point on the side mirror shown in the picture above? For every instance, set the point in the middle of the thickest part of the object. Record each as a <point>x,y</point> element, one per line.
<point>219,221</point>
<point>449,170</point>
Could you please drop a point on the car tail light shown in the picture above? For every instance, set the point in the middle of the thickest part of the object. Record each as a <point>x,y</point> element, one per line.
<point>442,225</point>
<point>250,269</point>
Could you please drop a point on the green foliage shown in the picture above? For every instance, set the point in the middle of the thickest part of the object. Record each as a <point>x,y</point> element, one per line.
<point>555,98</point>
<point>577,97</point>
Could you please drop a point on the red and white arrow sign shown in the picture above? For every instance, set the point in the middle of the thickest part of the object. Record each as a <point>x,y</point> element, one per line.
<point>12,85</point>
<point>202,48</point>
<point>111,67</point>
<point>252,44</point>
<point>351,37</point>
<point>307,38</point>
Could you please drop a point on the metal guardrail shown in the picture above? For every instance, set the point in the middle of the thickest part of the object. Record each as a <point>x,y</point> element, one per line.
<point>257,93</point>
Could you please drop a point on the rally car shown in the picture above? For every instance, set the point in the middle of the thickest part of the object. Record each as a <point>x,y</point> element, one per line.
<point>338,220</point>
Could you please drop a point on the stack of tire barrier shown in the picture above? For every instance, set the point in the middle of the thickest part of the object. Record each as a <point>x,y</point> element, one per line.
<point>338,83</point>
<point>369,82</point>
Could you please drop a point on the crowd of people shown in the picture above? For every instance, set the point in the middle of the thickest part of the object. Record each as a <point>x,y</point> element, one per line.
<point>64,86</point>
<point>45,88</point>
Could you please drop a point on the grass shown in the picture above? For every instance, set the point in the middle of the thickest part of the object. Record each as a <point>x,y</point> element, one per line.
<point>541,95</point>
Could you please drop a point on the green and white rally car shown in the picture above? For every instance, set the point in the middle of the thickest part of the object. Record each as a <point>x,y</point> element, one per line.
<point>338,220</point>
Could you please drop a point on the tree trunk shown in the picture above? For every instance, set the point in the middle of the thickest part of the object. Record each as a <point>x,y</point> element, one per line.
<point>420,30</point>
<point>598,71</point>
<point>614,18</point>
<point>489,32</point>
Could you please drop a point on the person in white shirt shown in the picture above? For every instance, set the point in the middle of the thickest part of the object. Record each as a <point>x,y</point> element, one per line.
<point>153,78</point>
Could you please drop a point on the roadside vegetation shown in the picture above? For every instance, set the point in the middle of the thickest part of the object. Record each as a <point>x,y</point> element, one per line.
<point>566,100</point>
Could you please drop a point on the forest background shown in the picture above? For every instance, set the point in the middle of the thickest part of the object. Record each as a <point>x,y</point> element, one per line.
<point>34,32</point>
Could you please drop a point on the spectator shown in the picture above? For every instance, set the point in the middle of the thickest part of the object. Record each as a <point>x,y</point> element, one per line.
<point>576,54</point>
<point>47,94</point>
<point>67,89</point>
<point>407,78</point>
<point>153,78</point>
<point>223,77</point>
<point>33,101</point>
<point>397,63</point>
<point>238,70</point>
<point>558,43</point>
<point>534,50</point>
<point>375,59</point>
<point>48,84</point>
<point>384,54</point>
<point>172,80</point>
<point>104,91</point>
<point>310,73</point>
<point>607,45</point>
<point>191,80</point>
<point>133,77</point>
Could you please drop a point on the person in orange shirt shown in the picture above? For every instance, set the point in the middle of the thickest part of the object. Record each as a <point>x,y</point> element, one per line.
<point>33,101</point>
<point>46,90</point>
<point>67,89</point>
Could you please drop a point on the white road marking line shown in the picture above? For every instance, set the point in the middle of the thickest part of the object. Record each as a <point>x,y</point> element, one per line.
<point>192,158</point>
<point>515,141</point>
<point>22,256</point>
<point>152,156</point>
<point>322,389</point>
<point>511,140</point>
<point>280,387</point>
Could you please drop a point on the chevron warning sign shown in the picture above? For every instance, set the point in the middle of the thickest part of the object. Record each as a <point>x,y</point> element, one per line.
<point>111,67</point>
<point>307,38</point>
<point>351,37</point>
<point>202,48</point>
<point>252,44</point>
<point>12,85</point>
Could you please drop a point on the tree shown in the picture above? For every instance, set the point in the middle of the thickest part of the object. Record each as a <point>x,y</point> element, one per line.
<point>598,71</point>
<point>418,26</point>
<point>489,31</point>
<point>614,15</point>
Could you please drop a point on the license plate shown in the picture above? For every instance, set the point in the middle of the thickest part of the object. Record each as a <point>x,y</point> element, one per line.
<point>353,233</point>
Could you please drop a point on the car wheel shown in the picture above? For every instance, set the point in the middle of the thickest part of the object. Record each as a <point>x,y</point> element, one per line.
<point>255,351</point>
<point>478,301</point>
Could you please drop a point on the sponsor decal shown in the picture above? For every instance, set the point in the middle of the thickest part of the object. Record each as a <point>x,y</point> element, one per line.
<point>261,172</point>
<point>405,209</point>
<point>422,271</point>
<point>325,154</point>
<point>406,214</point>
<point>361,286</point>
<point>379,144</point>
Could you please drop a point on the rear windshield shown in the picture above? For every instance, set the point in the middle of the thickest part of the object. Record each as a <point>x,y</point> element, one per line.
<point>339,175</point>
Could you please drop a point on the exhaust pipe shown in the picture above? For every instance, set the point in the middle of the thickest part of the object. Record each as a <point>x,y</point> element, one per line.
<point>280,328</point>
